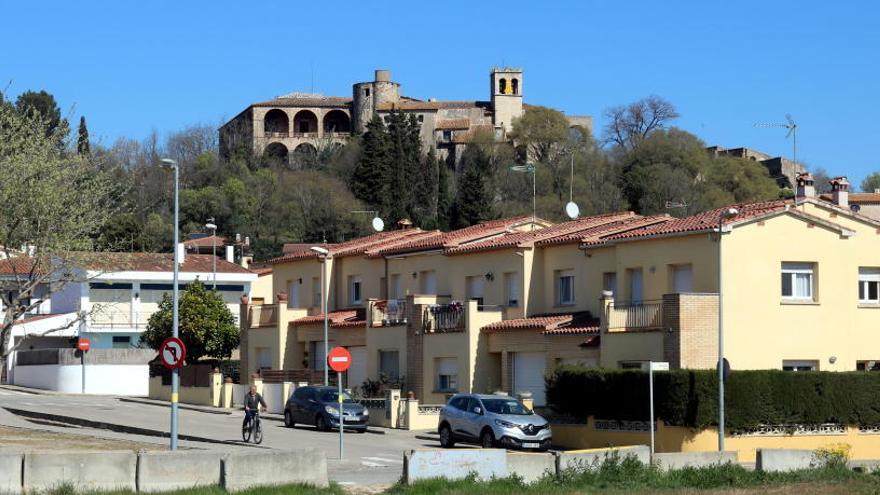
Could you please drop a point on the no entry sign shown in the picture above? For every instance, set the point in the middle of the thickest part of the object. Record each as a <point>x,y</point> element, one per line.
<point>172,352</point>
<point>83,344</point>
<point>339,359</point>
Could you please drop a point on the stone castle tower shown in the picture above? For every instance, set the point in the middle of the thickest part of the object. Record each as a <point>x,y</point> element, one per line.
<point>367,97</point>
<point>506,91</point>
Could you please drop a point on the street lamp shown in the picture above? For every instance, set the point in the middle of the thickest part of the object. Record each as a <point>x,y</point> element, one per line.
<point>213,228</point>
<point>530,168</point>
<point>726,214</point>
<point>168,163</point>
<point>323,254</point>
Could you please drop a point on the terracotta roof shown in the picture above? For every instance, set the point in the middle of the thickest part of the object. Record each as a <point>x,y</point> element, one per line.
<point>206,241</point>
<point>455,238</point>
<point>350,324</point>
<point>159,262</point>
<point>855,197</point>
<point>306,101</point>
<point>291,247</point>
<point>411,104</point>
<point>465,137</point>
<point>549,324</point>
<point>591,341</point>
<point>333,317</point>
<point>21,265</point>
<point>453,124</point>
<point>353,247</point>
<point>568,229</point>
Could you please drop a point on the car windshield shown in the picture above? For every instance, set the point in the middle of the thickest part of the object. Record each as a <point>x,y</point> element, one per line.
<point>506,406</point>
<point>333,396</point>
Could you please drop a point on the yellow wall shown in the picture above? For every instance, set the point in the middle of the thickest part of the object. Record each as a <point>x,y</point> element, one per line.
<point>385,339</point>
<point>262,288</point>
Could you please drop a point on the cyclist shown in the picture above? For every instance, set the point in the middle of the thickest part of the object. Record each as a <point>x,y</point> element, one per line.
<point>252,403</point>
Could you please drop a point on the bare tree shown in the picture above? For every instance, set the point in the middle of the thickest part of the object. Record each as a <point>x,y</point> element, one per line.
<point>630,124</point>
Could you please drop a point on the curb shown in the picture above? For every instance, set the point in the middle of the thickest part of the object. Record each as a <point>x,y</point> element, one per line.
<point>188,407</point>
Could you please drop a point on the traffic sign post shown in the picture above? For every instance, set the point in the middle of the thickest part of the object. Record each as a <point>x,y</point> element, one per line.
<point>339,359</point>
<point>652,367</point>
<point>83,345</point>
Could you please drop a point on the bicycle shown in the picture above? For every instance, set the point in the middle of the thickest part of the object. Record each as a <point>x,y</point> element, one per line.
<point>253,427</point>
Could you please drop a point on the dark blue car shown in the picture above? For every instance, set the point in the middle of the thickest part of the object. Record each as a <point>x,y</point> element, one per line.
<point>319,406</point>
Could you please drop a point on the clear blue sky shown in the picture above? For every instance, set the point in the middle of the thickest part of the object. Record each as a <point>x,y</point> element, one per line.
<point>131,67</point>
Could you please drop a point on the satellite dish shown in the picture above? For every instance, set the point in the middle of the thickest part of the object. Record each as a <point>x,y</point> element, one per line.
<point>855,208</point>
<point>378,224</point>
<point>572,210</point>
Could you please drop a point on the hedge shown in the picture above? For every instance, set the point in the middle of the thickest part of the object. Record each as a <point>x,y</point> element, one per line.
<point>690,397</point>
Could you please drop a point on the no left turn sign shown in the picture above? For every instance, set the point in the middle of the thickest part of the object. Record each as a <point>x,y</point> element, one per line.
<point>172,352</point>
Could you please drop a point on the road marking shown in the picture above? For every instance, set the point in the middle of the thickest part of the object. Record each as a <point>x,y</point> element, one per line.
<point>372,464</point>
<point>383,459</point>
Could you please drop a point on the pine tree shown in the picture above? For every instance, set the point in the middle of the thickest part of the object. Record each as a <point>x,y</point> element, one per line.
<point>82,140</point>
<point>425,204</point>
<point>473,199</point>
<point>369,178</point>
<point>405,150</point>
<point>444,202</point>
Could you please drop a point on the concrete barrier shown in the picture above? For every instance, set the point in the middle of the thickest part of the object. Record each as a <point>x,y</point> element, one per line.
<point>529,466</point>
<point>85,471</point>
<point>590,458</point>
<point>679,460</point>
<point>454,464</point>
<point>784,459</point>
<point>167,471</point>
<point>246,470</point>
<point>10,473</point>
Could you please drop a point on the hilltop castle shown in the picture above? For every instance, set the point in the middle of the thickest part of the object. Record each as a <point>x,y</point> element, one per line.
<point>303,123</point>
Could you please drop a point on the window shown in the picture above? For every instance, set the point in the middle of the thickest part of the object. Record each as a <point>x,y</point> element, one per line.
<point>633,365</point>
<point>502,85</point>
<point>428,282</point>
<point>421,118</point>
<point>389,364</point>
<point>354,289</point>
<point>514,86</point>
<point>511,289</point>
<point>794,365</point>
<point>447,374</point>
<point>459,403</point>
<point>609,282</point>
<point>797,281</point>
<point>396,290</point>
<point>121,342</point>
<point>474,289</point>
<point>293,294</point>
<point>564,287</point>
<point>316,355</point>
<point>636,285</point>
<point>682,279</point>
<point>366,91</point>
<point>872,365</point>
<point>447,135</point>
<point>869,285</point>
<point>264,358</point>
<point>316,292</point>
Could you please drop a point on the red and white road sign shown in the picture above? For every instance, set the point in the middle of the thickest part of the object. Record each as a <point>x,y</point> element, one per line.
<point>172,352</point>
<point>83,344</point>
<point>339,359</point>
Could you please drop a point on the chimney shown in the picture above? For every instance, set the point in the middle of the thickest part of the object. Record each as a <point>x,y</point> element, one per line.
<point>805,186</point>
<point>382,75</point>
<point>181,253</point>
<point>840,191</point>
<point>230,254</point>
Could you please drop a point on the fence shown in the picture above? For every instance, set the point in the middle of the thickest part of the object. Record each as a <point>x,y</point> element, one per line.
<point>444,318</point>
<point>307,375</point>
<point>647,315</point>
<point>388,313</point>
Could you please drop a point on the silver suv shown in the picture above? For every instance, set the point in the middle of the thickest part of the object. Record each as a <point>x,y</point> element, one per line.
<point>492,420</point>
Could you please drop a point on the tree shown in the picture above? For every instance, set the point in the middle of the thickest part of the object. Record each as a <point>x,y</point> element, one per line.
<point>871,182</point>
<point>42,105</point>
<point>473,198</point>
<point>53,204</point>
<point>631,124</point>
<point>427,182</point>
<point>545,134</point>
<point>737,180</point>
<point>82,139</point>
<point>444,199</point>
<point>369,178</point>
<point>821,180</point>
<point>206,325</point>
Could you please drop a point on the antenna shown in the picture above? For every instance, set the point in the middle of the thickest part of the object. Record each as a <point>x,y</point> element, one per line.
<point>792,131</point>
<point>378,224</point>
<point>675,204</point>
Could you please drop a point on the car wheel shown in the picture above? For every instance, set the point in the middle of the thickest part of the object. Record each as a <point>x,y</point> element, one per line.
<point>321,423</point>
<point>487,439</point>
<point>288,419</point>
<point>446,440</point>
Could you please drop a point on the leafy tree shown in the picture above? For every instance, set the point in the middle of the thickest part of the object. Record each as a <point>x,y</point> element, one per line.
<point>821,180</point>
<point>545,135</point>
<point>871,182</point>
<point>42,105</point>
<point>54,203</point>
<point>206,325</point>
<point>82,139</point>
<point>631,124</point>
<point>737,180</point>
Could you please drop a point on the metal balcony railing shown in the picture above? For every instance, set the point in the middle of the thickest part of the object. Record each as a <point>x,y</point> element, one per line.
<point>388,313</point>
<point>644,315</point>
<point>444,318</point>
<point>118,319</point>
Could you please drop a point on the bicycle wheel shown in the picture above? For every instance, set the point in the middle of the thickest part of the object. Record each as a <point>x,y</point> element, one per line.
<point>246,430</point>
<point>258,431</point>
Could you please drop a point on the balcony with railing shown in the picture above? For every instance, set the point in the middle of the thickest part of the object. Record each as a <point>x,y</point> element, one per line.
<point>387,312</point>
<point>118,320</point>
<point>634,317</point>
<point>262,315</point>
<point>444,318</point>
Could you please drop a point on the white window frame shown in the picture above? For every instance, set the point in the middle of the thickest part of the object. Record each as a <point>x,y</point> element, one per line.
<point>791,270</point>
<point>609,282</point>
<point>561,299</point>
<point>812,364</point>
<point>355,296</point>
<point>869,276</point>
<point>447,377</point>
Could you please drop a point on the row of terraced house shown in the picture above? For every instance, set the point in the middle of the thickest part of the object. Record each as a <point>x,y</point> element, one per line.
<point>498,305</point>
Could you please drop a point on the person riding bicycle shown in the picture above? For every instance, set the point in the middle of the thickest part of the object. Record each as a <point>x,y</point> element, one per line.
<point>252,403</point>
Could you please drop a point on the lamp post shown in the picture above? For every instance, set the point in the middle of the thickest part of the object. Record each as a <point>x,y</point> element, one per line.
<point>726,214</point>
<point>213,228</point>
<point>323,254</point>
<point>175,373</point>
<point>531,169</point>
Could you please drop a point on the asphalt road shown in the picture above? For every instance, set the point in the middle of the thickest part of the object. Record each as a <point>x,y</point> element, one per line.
<point>370,458</point>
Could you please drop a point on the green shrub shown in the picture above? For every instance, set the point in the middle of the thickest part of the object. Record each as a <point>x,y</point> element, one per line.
<point>690,397</point>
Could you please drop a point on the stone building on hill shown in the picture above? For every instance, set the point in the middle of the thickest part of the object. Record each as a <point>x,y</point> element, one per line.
<point>784,171</point>
<point>305,123</point>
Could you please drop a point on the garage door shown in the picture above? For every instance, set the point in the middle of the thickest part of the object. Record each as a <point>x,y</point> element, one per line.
<point>358,371</point>
<point>528,375</point>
